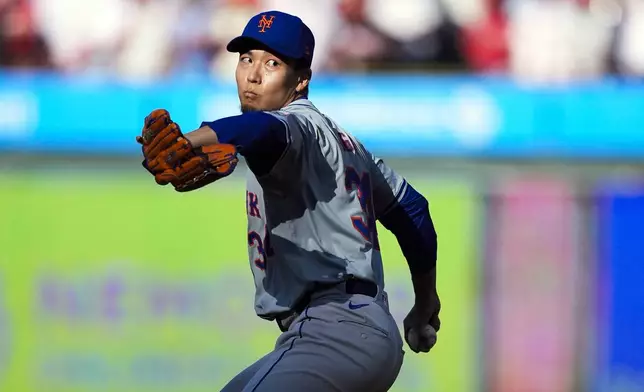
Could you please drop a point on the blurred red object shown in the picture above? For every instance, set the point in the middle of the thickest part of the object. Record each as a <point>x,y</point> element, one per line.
<point>484,42</point>
<point>352,10</point>
<point>21,45</point>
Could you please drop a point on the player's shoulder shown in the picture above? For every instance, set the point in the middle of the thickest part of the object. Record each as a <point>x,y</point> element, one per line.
<point>300,105</point>
<point>313,123</point>
<point>297,108</point>
<point>304,115</point>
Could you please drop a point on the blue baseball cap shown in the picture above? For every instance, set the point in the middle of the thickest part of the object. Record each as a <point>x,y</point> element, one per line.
<point>281,33</point>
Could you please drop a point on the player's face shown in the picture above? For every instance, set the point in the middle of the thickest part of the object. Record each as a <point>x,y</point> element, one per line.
<point>266,82</point>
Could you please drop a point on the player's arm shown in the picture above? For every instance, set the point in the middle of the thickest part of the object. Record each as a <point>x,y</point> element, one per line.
<point>260,137</point>
<point>409,219</point>
<point>405,212</point>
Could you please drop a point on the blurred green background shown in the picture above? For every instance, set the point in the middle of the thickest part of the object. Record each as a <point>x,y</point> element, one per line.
<point>114,283</point>
<point>110,282</point>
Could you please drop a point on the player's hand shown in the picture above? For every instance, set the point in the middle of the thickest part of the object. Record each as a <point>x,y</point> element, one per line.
<point>422,323</point>
<point>171,158</point>
<point>158,133</point>
<point>163,146</point>
<point>420,335</point>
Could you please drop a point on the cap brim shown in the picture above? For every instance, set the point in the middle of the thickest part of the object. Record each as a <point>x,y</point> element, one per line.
<point>243,44</point>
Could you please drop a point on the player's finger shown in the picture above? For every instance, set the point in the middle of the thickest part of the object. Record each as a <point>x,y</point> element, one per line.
<point>154,123</point>
<point>435,322</point>
<point>413,347</point>
<point>155,116</point>
<point>191,168</point>
<point>164,139</point>
<point>406,336</point>
<point>168,159</point>
<point>165,177</point>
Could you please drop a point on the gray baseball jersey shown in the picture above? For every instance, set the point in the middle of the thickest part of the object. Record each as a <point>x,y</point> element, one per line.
<point>313,217</point>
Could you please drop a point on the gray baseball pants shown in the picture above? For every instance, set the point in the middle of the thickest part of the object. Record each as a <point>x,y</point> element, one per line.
<point>340,342</point>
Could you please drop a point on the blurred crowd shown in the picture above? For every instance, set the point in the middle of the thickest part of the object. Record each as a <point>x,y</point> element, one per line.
<point>142,40</point>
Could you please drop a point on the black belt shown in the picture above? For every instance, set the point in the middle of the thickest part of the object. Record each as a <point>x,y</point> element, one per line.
<point>360,286</point>
<point>351,286</point>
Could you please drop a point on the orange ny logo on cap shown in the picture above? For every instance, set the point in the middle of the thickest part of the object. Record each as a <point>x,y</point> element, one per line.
<point>265,23</point>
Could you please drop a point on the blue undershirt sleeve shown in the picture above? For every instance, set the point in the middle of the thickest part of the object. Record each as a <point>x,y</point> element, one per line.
<point>260,137</point>
<point>410,221</point>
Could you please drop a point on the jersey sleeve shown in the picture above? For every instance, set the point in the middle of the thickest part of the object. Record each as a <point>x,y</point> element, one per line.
<point>291,165</point>
<point>388,186</point>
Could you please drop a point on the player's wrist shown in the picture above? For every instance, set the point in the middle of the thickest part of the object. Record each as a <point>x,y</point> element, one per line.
<point>203,136</point>
<point>426,295</point>
<point>424,283</point>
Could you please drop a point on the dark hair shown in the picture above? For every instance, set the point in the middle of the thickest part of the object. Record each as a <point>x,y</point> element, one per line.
<point>301,64</point>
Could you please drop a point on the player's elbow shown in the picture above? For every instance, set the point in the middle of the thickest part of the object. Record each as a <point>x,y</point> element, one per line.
<point>409,217</point>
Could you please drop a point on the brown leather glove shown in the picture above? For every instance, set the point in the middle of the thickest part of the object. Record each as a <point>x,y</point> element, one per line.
<point>208,164</point>
<point>171,158</point>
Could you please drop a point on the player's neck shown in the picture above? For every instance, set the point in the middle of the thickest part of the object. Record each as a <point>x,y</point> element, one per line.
<point>297,97</point>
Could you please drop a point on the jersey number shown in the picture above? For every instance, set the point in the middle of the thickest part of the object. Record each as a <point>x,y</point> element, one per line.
<point>364,223</point>
<point>263,248</point>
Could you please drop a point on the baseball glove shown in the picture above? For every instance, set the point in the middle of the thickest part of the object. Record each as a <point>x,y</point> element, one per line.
<point>171,158</point>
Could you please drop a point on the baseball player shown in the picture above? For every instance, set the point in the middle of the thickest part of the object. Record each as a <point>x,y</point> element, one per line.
<point>314,195</point>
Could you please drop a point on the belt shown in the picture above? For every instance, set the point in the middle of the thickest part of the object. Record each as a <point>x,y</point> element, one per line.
<point>351,286</point>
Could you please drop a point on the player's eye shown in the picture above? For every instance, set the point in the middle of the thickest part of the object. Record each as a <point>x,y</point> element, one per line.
<point>272,63</point>
<point>245,59</point>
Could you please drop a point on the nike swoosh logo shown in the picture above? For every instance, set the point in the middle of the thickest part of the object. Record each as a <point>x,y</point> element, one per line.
<point>353,306</point>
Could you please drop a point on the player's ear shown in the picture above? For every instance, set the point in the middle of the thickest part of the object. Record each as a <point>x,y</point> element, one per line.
<point>302,86</point>
<point>303,79</point>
